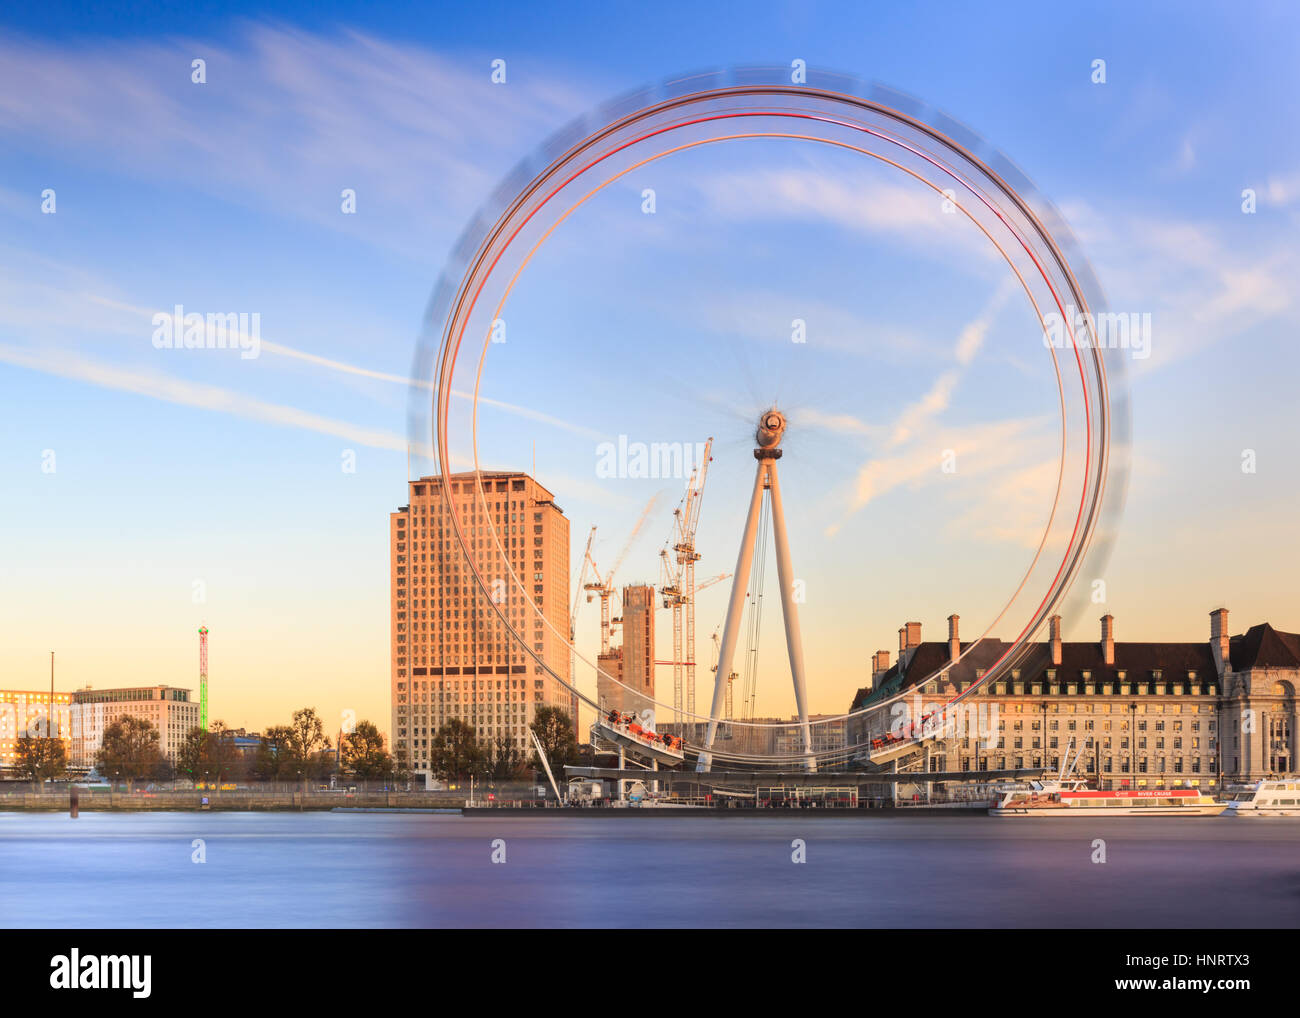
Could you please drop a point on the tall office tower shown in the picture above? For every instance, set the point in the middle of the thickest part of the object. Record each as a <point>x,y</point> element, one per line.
<point>452,657</point>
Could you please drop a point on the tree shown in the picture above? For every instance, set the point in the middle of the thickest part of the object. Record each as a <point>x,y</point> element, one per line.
<point>323,763</point>
<point>305,750</point>
<point>207,756</point>
<point>401,768</point>
<point>220,756</point>
<point>306,733</point>
<point>40,758</point>
<point>554,730</point>
<point>362,753</point>
<point>503,759</point>
<point>273,761</point>
<point>130,749</point>
<point>189,754</point>
<point>454,751</point>
<point>266,764</point>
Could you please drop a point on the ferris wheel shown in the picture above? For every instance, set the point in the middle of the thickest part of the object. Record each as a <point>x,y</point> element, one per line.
<point>930,152</point>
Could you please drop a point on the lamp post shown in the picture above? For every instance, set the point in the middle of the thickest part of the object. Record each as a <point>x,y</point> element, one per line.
<point>1132,741</point>
<point>1042,735</point>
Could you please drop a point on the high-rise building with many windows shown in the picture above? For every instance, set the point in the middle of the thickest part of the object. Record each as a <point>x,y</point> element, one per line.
<point>452,655</point>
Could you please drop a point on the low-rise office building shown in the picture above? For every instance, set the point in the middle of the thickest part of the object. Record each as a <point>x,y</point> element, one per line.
<point>167,708</point>
<point>27,712</point>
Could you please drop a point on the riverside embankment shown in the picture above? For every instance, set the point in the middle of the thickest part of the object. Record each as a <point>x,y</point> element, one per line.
<point>250,800</point>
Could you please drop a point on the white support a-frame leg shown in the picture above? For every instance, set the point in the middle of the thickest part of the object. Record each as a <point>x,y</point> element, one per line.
<point>771,428</point>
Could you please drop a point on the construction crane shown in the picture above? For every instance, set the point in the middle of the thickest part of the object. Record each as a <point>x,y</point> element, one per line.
<point>677,584</point>
<point>604,588</point>
<point>669,598</point>
<point>573,621</point>
<point>581,585</point>
<point>669,595</point>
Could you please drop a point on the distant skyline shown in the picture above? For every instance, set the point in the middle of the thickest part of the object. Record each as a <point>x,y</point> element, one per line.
<point>150,491</point>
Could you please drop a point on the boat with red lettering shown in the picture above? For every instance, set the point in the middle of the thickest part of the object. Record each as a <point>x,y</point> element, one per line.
<point>1076,799</point>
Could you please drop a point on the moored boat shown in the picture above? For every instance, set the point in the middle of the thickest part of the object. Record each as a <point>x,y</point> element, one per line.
<point>1271,797</point>
<point>1076,799</point>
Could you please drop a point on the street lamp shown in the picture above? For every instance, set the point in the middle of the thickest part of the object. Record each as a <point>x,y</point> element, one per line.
<point>1132,741</point>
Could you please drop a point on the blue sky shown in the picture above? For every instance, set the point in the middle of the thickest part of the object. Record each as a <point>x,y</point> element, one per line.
<point>174,467</point>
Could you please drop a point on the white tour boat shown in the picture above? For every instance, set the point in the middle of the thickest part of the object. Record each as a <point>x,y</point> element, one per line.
<point>1272,797</point>
<point>1076,799</point>
<point>1071,797</point>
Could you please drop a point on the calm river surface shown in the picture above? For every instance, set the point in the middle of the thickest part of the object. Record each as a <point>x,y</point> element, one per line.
<point>350,869</point>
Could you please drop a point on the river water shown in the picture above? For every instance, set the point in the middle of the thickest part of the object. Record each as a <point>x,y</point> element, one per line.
<point>417,870</point>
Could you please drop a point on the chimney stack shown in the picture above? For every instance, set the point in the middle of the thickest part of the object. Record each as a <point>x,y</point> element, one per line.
<point>1108,639</point>
<point>909,638</point>
<point>879,664</point>
<point>1219,639</point>
<point>954,642</point>
<point>1054,633</point>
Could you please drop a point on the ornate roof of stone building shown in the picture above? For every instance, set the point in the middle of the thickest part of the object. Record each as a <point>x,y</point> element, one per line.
<point>1136,660</point>
<point>1262,646</point>
<point>930,657</point>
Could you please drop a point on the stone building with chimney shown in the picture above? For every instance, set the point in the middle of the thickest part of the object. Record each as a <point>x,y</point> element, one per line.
<point>1135,714</point>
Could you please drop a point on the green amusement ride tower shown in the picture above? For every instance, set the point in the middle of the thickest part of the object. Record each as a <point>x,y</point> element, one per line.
<point>203,677</point>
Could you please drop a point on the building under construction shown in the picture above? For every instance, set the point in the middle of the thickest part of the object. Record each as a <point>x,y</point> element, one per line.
<point>626,679</point>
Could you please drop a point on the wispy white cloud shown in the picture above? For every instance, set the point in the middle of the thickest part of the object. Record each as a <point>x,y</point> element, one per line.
<point>767,317</point>
<point>1200,290</point>
<point>978,449</point>
<point>1283,188</point>
<point>905,210</point>
<point>911,454</point>
<point>937,399</point>
<point>1016,506</point>
<point>286,120</point>
<point>197,395</point>
<point>343,367</point>
<point>840,424</point>
<point>153,385</point>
